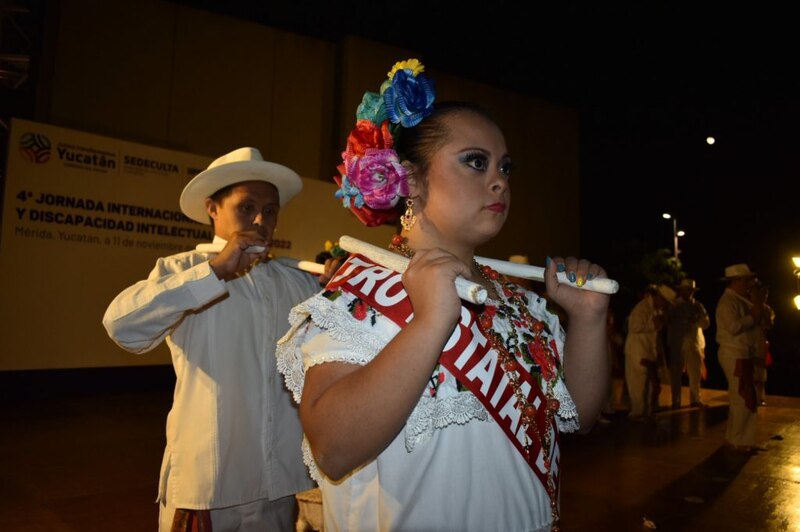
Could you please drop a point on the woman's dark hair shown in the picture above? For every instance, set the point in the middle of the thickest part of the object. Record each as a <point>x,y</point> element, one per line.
<point>418,144</point>
<point>322,256</point>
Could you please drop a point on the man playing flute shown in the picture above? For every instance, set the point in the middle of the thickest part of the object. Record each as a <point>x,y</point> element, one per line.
<point>232,459</point>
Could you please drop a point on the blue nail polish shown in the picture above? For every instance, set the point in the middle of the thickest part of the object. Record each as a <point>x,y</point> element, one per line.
<point>571,276</point>
<point>562,268</point>
<point>547,261</point>
<point>589,276</point>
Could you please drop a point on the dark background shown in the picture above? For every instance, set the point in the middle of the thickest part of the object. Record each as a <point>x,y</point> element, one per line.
<point>651,81</point>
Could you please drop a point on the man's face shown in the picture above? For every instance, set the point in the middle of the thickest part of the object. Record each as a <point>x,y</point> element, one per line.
<point>741,285</point>
<point>250,206</point>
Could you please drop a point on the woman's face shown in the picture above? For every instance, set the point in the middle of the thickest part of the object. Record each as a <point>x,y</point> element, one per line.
<point>468,194</point>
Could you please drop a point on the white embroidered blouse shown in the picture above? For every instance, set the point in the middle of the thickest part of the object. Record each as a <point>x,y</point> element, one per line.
<point>452,468</point>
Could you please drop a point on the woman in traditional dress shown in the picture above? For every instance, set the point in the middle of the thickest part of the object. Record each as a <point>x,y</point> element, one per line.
<point>422,411</point>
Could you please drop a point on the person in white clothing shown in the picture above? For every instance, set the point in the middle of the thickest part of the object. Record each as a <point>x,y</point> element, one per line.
<point>686,321</point>
<point>232,459</point>
<point>737,319</point>
<point>644,352</point>
<point>422,411</point>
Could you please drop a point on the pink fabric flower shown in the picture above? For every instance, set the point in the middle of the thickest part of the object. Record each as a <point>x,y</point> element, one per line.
<point>379,176</point>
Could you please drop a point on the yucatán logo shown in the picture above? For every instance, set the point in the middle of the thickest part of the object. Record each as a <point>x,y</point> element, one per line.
<point>34,148</point>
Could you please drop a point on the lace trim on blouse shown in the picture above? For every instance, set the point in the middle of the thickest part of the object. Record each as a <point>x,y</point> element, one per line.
<point>364,340</point>
<point>363,343</point>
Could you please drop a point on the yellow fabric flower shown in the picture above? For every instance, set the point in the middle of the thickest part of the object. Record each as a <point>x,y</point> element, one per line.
<point>411,64</point>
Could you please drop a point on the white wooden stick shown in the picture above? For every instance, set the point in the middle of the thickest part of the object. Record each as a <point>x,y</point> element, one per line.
<point>467,290</point>
<point>536,273</point>
<point>399,263</point>
<point>216,248</point>
<point>305,265</point>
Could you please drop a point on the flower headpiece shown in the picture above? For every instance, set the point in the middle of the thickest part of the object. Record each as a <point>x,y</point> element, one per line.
<point>372,180</point>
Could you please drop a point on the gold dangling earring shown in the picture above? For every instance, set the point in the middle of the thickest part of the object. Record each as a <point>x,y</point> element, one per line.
<point>408,219</point>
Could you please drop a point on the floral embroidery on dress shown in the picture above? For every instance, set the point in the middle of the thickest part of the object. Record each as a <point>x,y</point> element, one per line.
<point>360,310</point>
<point>437,378</point>
<point>543,365</point>
<point>357,332</point>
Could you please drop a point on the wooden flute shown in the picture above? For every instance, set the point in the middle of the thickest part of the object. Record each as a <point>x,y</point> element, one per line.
<point>468,290</point>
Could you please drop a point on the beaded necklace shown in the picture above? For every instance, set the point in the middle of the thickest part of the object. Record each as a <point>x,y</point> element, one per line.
<point>536,350</point>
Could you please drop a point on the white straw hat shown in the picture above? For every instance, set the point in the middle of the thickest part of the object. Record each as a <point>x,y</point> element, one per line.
<point>737,271</point>
<point>244,164</point>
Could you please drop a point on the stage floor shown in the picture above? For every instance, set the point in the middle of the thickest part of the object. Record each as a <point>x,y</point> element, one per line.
<point>89,462</point>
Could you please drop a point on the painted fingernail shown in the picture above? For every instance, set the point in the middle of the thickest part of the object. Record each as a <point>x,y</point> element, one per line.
<point>571,276</point>
<point>547,261</point>
<point>581,281</point>
<point>589,276</point>
<point>561,268</point>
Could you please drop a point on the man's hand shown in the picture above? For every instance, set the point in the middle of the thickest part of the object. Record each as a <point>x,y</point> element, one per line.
<point>234,259</point>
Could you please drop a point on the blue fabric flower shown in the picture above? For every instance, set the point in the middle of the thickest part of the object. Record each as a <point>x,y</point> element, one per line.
<point>348,191</point>
<point>409,99</point>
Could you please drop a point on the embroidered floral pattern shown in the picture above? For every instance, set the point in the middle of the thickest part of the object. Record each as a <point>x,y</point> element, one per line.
<point>534,351</point>
<point>360,310</point>
<point>438,378</point>
<point>444,402</point>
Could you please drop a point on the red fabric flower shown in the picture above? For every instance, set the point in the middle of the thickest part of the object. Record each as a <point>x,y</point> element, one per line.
<point>367,135</point>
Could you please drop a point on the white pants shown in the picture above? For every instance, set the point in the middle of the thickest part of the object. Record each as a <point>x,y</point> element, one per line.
<point>257,516</point>
<point>691,358</point>
<point>741,429</point>
<point>640,388</point>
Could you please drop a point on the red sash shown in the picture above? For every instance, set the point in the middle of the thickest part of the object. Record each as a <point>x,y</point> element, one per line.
<point>191,521</point>
<point>467,355</point>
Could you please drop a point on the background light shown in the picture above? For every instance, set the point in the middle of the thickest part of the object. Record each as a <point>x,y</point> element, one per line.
<point>710,140</point>
<point>675,233</point>
<point>796,272</point>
